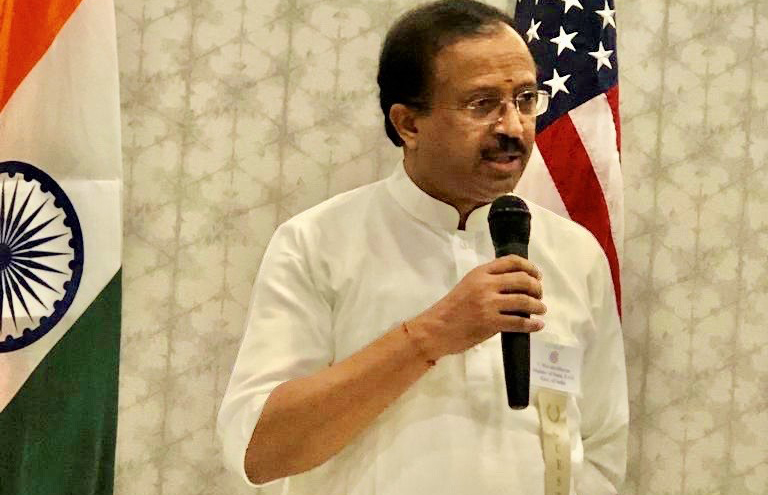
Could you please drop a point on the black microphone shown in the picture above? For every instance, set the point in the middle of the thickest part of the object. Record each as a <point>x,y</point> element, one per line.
<point>510,224</point>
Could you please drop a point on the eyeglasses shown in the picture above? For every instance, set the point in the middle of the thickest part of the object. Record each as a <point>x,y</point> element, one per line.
<point>490,109</point>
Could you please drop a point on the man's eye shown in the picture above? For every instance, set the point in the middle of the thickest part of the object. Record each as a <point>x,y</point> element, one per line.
<point>527,97</point>
<point>485,104</point>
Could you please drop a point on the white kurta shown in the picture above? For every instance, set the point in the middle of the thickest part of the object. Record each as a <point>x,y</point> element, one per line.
<point>339,275</point>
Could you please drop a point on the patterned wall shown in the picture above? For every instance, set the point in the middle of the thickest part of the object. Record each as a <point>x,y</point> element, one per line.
<point>695,102</point>
<point>238,114</point>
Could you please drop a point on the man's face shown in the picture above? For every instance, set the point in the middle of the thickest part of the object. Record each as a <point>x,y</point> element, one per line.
<point>457,158</point>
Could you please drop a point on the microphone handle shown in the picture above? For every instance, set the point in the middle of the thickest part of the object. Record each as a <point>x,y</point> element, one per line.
<point>516,352</point>
<point>516,347</point>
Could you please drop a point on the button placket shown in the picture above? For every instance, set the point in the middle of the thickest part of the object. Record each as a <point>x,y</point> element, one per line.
<point>477,363</point>
<point>464,253</point>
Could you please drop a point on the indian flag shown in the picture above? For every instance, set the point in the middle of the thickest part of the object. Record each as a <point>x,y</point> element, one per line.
<point>60,246</point>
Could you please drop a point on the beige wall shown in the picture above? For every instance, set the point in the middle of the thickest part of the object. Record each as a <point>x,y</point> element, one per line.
<point>238,114</point>
<point>694,81</point>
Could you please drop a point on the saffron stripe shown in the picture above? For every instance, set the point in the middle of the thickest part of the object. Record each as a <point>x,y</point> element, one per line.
<point>575,179</point>
<point>27,30</point>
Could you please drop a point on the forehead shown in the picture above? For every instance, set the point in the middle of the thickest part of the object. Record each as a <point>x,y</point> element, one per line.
<point>498,59</point>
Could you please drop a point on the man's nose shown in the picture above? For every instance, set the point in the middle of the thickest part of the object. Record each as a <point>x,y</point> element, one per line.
<point>509,122</point>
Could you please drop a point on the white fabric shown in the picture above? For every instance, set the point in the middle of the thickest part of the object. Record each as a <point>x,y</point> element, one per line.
<point>537,185</point>
<point>339,275</point>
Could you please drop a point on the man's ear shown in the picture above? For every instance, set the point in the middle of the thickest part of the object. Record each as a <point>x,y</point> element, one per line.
<point>404,121</point>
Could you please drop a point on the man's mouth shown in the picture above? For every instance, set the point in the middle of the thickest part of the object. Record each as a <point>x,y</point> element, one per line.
<point>507,152</point>
<point>500,156</point>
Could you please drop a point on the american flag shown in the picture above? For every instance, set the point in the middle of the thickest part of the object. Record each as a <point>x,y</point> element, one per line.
<point>576,168</point>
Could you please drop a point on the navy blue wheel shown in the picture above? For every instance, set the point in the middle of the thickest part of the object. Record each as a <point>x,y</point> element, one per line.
<point>41,254</point>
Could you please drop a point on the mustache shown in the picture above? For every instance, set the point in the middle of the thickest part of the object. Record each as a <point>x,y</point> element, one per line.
<point>506,145</point>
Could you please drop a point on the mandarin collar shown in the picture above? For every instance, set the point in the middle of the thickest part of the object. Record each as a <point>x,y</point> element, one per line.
<point>430,210</point>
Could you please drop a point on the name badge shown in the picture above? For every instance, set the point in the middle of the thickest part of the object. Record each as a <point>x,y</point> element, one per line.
<point>556,366</point>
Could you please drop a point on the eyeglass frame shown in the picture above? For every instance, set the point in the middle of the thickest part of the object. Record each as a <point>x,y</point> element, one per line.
<point>500,107</point>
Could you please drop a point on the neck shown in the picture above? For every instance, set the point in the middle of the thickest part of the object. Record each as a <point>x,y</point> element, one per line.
<point>464,215</point>
<point>463,207</point>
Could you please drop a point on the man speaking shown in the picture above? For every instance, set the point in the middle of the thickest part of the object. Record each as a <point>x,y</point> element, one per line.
<point>371,361</point>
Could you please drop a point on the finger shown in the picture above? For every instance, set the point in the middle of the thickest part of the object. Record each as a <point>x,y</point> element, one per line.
<point>519,324</point>
<point>519,282</point>
<point>513,263</point>
<point>510,304</point>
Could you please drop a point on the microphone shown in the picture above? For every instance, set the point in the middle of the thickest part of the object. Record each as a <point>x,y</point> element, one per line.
<point>510,224</point>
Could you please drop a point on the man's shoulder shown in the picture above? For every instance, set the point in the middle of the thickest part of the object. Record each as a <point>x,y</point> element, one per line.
<point>558,224</point>
<point>338,211</point>
<point>571,253</point>
<point>553,231</point>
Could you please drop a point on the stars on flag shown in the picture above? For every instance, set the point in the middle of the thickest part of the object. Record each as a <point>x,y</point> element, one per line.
<point>602,56</point>
<point>564,40</point>
<point>533,31</point>
<point>572,3</point>
<point>557,83</point>
<point>607,14</point>
<point>570,55</point>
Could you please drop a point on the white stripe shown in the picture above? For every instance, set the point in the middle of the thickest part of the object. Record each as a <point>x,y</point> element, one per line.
<point>65,115</point>
<point>593,121</point>
<point>537,185</point>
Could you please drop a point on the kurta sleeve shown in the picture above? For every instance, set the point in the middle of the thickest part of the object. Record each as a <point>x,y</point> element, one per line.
<point>604,403</point>
<point>287,335</point>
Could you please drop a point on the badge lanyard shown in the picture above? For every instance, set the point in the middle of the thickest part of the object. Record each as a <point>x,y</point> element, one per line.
<point>556,443</point>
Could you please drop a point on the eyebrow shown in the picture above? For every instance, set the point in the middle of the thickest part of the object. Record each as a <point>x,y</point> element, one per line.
<point>496,90</point>
<point>525,84</point>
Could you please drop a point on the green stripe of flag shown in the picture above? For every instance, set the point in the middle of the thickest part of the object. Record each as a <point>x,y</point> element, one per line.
<point>57,435</point>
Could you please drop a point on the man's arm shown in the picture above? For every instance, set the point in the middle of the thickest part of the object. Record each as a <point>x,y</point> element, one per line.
<point>305,421</point>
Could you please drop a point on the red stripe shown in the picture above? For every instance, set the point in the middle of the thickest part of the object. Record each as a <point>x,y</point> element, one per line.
<point>27,29</point>
<point>579,188</point>
<point>613,101</point>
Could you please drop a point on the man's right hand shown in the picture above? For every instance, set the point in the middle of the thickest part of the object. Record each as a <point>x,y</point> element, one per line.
<point>486,301</point>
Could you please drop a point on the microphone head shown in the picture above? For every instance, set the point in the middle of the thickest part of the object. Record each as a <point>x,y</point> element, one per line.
<point>510,222</point>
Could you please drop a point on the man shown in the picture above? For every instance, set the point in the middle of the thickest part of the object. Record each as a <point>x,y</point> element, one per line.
<point>371,362</point>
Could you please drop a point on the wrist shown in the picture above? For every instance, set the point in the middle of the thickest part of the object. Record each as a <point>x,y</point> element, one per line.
<point>420,341</point>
